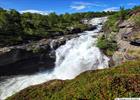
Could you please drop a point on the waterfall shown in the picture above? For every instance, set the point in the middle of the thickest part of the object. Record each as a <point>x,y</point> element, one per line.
<point>76,56</point>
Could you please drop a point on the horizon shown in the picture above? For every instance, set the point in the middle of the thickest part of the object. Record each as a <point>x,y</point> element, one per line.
<point>63,6</point>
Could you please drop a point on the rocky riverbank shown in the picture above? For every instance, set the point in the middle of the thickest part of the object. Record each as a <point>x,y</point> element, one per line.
<point>31,57</point>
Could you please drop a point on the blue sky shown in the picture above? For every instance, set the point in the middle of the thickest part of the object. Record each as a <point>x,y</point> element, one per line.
<point>63,6</point>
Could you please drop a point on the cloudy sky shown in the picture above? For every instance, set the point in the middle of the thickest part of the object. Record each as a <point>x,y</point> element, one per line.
<point>63,6</point>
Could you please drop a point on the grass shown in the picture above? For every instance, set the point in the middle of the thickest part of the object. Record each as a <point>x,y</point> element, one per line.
<point>107,84</point>
<point>136,19</point>
<point>136,36</point>
<point>134,53</point>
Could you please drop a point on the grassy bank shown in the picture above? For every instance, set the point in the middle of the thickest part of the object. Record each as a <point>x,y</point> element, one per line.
<point>107,84</point>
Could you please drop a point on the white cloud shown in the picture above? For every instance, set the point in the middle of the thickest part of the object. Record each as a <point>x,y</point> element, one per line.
<point>131,4</point>
<point>111,9</point>
<point>78,7</point>
<point>36,11</point>
<point>83,5</point>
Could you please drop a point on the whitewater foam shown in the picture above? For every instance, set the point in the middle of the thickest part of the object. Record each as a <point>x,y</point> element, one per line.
<point>76,56</point>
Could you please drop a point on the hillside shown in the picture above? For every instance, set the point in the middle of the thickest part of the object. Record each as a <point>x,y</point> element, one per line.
<point>17,28</point>
<point>121,38</point>
<point>107,84</point>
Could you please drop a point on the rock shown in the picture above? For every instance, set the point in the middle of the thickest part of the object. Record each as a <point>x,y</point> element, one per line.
<point>127,33</point>
<point>135,42</point>
<point>52,54</point>
<point>111,62</point>
<point>58,33</point>
<point>75,30</point>
<point>92,27</point>
<point>117,58</point>
<point>31,57</point>
<point>125,24</point>
<point>19,61</point>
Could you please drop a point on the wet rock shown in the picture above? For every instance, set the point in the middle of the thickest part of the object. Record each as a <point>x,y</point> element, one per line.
<point>92,27</point>
<point>75,30</point>
<point>58,33</point>
<point>31,57</point>
<point>135,42</point>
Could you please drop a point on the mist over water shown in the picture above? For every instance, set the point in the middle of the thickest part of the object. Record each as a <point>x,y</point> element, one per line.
<point>76,56</point>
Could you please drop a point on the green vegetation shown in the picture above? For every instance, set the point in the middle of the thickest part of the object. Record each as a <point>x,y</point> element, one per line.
<point>106,84</point>
<point>16,28</point>
<point>108,42</point>
<point>108,46</point>
<point>137,20</point>
<point>112,23</point>
<point>136,9</point>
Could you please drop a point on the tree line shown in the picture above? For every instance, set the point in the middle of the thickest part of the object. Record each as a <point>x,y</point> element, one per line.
<point>15,26</point>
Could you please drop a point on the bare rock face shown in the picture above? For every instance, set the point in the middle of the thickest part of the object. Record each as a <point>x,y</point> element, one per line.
<point>128,49</point>
<point>30,58</point>
<point>126,24</point>
<point>135,42</point>
<point>125,30</point>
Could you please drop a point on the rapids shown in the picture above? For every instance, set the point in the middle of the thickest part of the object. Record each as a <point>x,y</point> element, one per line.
<point>76,56</point>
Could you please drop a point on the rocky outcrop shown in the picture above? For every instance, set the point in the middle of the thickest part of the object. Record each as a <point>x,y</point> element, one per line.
<point>126,46</point>
<point>135,42</point>
<point>31,57</point>
<point>92,27</point>
<point>125,30</point>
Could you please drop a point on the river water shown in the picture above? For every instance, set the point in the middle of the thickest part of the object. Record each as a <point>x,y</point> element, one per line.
<point>76,56</point>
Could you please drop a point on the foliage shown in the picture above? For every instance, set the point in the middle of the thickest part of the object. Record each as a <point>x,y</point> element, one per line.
<point>13,24</point>
<point>112,23</point>
<point>136,8</point>
<point>137,20</point>
<point>108,46</point>
<point>106,84</point>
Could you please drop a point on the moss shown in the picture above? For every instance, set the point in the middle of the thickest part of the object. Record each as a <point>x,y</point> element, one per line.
<point>107,84</point>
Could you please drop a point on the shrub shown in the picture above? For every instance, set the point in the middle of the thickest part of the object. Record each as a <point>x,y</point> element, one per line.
<point>108,46</point>
<point>137,20</point>
<point>112,23</point>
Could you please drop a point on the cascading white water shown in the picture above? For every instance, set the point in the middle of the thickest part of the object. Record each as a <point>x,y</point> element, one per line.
<point>76,56</point>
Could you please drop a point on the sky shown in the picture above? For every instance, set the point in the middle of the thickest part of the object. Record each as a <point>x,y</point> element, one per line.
<point>66,6</point>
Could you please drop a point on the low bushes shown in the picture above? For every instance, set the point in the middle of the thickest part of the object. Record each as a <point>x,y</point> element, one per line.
<point>108,46</point>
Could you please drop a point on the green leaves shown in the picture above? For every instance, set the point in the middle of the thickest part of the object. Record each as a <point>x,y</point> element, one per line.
<point>14,25</point>
<point>108,46</point>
